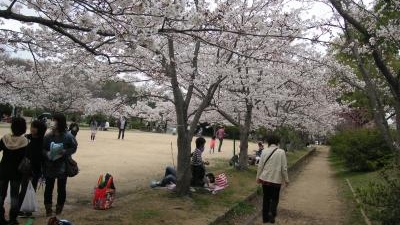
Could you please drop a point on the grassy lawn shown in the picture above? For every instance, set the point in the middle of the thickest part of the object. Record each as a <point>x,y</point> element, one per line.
<point>358,180</point>
<point>160,206</point>
<point>293,156</point>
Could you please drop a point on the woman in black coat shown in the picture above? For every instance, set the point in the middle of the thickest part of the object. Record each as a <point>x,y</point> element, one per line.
<point>14,149</point>
<point>35,155</point>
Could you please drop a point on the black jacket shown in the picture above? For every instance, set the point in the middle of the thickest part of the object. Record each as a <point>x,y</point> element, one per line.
<point>35,150</point>
<point>14,150</point>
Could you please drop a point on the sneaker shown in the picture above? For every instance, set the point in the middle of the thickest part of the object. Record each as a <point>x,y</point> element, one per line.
<point>154,184</point>
<point>3,222</point>
<point>13,222</point>
<point>272,220</point>
<point>24,214</point>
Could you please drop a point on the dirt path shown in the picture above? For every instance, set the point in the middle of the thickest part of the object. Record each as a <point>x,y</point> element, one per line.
<point>313,198</point>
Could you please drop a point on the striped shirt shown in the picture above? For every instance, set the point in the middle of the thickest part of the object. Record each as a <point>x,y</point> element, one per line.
<point>197,160</point>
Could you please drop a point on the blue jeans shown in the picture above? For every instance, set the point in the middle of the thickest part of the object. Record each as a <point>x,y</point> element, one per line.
<point>169,177</point>
<point>14,192</point>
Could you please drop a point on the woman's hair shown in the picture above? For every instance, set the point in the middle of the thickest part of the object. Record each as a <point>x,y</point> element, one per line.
<point>211,177</point>
<point>18,126</point>
<point>61,122</point>
<point>200,142</point>
<point>40,126</point>
<point>273,139</point>
<point>213,137</point>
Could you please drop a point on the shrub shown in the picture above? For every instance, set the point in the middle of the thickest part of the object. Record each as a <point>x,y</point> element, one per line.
<point>382,198</point>
<point>361,149</point>
<point>232,132</point>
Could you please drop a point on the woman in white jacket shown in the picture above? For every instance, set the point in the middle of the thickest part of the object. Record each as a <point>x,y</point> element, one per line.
<point>271,173</point>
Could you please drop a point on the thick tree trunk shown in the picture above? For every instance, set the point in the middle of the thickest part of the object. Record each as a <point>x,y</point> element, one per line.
<point>244,138</point>
<point>183,139</point>
<point>184,174</point>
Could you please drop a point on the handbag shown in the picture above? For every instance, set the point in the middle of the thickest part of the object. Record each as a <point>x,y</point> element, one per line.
<point>72,168</point>
<point>25,166</point>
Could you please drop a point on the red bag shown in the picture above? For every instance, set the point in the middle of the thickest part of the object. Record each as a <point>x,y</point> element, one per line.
<point>104,195</point>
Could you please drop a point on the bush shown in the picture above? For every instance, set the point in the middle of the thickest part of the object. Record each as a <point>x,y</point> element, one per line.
<point>361,149</point>
<point>382,199</point>
<point>232,132</point>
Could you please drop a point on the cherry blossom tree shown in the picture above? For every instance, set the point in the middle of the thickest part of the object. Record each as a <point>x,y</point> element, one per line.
<point>189,47</point>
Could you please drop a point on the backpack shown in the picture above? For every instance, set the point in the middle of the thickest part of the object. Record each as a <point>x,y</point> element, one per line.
<point>104,193</point>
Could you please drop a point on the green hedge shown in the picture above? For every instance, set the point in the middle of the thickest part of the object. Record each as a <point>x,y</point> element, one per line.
<point>361,149</point>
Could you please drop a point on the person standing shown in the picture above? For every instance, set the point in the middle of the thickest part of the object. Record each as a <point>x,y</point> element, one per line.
<point>74,127</point>
<point>35,155</point>
<point>14,147</point>
<point>197,164</point>
<point>121,126</point>
<point>58,145</point>
<point>220,135</point>
<point>271,173</point>
<point>93,129</point>
<point>212,143</point>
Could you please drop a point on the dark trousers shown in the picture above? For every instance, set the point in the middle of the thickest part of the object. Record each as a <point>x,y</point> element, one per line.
<point>61,190</point>
<point>198,174</point>
<point>270,201</point>
<point>14,192</point>
<point>220,144</point>
<point>121,131</point>
<point>169,177</point>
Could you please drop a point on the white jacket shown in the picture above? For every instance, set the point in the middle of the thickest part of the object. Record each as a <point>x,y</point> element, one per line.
<point>275,170</point>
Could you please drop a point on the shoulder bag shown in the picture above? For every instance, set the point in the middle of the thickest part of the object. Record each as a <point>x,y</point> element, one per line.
<point>269,158</point>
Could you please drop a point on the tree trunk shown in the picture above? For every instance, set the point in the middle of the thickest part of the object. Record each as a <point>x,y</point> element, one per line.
<point>244,138</point>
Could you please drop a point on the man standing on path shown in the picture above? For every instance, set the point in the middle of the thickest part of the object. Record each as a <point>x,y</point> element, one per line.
<point>121,126</point>
<point>220,135</point>
<point>271,173</point>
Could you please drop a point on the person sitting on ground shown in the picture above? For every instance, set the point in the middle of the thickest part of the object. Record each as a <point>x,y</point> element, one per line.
<point>169,178</point>
<point>197,164</point>
<point>259,151</point>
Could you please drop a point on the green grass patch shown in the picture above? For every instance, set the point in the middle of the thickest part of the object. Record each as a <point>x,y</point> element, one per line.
<point>358,180</point>
<point>147,214</point>
<point>293,156</point>
<point>163,207</point>
<point>243,208</point>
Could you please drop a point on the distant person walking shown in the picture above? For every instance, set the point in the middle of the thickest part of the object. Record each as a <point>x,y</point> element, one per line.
<point>271,173</point>
<point>122,123</point>
<point>74,127</point>
<point>14,147</point>
<point>93,129</point>
<point>220,135</point>
<point>58,145</point>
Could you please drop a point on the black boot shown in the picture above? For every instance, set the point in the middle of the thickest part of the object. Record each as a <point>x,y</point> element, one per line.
<point>49,210</point>
<point>3,221</point>
<point>59,209</point>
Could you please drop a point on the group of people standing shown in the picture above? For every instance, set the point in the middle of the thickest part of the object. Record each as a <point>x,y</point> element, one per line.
<point>37,147</point>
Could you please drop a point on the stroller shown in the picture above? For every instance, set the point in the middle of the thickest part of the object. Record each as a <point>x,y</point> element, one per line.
<point>104,193</point>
